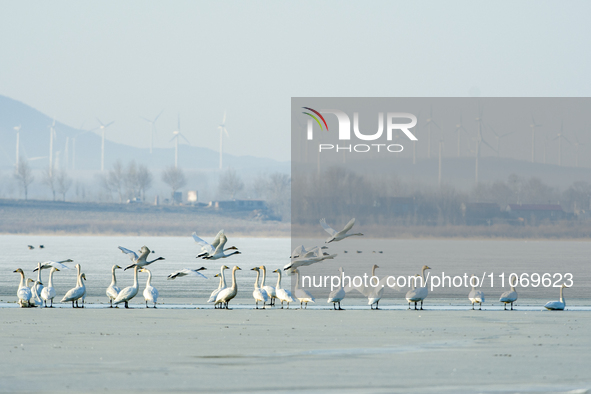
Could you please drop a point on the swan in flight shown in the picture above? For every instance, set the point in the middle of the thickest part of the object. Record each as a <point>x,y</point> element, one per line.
<point>221,286</point>
<point>373,294</point>
<point>225,296</point>
<point>150,292</point>
<point>259,294</point>
<point>113,290</point>
<point>509,297</point>
<point>141,260</point>
<point>302,295</point>
<point>56,264</point>
<point>269,289</point>
<point>73,295</point>
<point>337,295</point>
<point>48,293</point>
<point>209,249</point>
<point>312,256</point>
<point>219,250</point>
<point>301,251</point>
<point>338,235</point>
<point>188,272</point>
<point>129,292</point>
<point>282,294</point>
<point>557,305</point>
<point>476,296</point>
<point>24,293</point>
<point>420,293</point>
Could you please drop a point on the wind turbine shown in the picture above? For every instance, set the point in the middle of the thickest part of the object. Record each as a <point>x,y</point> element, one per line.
<point>18,132</point>
<point>499,138</point>
<point>479,140</point>
<point>176,135</point>
<point>533,126</point>
<point>560,136</point>
<point>222,128</point>
<point>52,135</point>
<point>429,122</point>
<point>460,127</point>
<point>152,129</point>
<point>102,127</point>
<point>577,144</point>
<point>440,150</point>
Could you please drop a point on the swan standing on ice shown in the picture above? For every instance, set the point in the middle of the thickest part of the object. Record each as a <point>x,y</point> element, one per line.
<point>48,293</point>
<point>269,289</point>
<point>150,292</point>
<point>219,252</point>
<point>23,293</point>
<point>129,292</point>
<point>511,295</point>
<point>209,249</point>
<point>221,286</point>
<point>338,235</point>
<point>188,272</point>
<point>73,295</point>
<point>282,294</point>
<point>141,260</point>
<point>557,305</point>
<point>420,293</point>
<point>476,296</point>
<point>38,286</point>
<point>113,290</point>
<point>336,296</point>
<point>225,296</point>
<point>373,294</point>
<point>259,294</point>
<point>302,295</point>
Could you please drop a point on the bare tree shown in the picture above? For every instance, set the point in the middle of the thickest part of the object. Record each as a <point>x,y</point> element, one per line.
<point>230,184</point>
<point>64,182</point>
<point>115,181</point>
<point>131,180</point>
<point>24,176</point>
<point>174,177</point>
<point>49,180</point>
<point>144,180</point>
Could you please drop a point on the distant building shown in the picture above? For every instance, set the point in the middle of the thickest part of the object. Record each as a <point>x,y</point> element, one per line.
<point>480,213</point>
<point>532,213</point>
<point>192,195</point>
<point>177,197</point>
<point>238,205</point>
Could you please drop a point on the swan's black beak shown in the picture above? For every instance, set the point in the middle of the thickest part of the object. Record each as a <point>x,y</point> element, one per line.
<point>201,269</point>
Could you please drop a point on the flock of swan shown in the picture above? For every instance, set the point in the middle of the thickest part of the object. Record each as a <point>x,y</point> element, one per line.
<point>32,293</point>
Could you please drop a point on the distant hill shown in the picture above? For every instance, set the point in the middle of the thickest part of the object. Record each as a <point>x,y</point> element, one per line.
<point>34,142</point>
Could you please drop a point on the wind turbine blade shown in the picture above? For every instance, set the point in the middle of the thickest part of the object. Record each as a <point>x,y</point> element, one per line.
<point>108,124</point>
<point>179,123</point>
<point>185,138</point>
<point>226,131</point>
<point>566,139</point>
<point>224,120</point>
<point>432,121</point>
<point>100,122</point>
<point>147,120</point>
<point>489,145</point>
<point>172,139</point>
<point>156,118</point>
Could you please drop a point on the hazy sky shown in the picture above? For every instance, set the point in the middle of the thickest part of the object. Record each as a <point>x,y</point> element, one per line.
<point>121,60</point>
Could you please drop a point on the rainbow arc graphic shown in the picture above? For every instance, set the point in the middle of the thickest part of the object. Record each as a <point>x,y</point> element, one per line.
<point>315,118</point>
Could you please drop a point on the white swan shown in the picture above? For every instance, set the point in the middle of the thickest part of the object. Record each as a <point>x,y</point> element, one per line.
<point>511,295</point>
<point>373,294</point>
<point>56,264</point>
<point>113,290</point>
<point>225,296</point>
<point>73,295</point>
<point>150,292</point>
<point>259,294</point>
<point>302,295</point>
<point>38,286</point>
<point>420,293</point>
<point>338,235</point>
<point>282,294</point>
<point>23,293</point>
<point>219,250</point>
<point>312,256</point>
<point>269,289</point>
<point>476,296</point>
<point>300,251</point>
<point>557,305</point>
<point>209,249</point>
<point>221,286</point>
<point>48,293</point>
<point>188,272</point>
<point>129,292</point>
<point>337,295</point>
<point>141,260</point>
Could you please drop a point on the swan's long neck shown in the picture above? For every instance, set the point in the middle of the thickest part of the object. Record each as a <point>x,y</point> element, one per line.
<point>513,286</point>
<point>234,279</point>
<point>39,272</point>
<point>278,279</point>
<point>223,279</point>
<point>264,276</point>
<point>135,271</point>
<point>23,282</point>
<point>373,271</point>
<point>113,278</point>
<point>50,282</point>
<point>423,275</point>
<point>561,297</point>
<point>341,276</point>
<point>81,282</point>
<point>149,282</point>
<point>297,285</point>
<point>473,288</point>
<point>256,282</point>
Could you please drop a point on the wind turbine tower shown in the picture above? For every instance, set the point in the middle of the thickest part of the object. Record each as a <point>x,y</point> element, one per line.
<point>176,135</point>
<point>152,129</point>
<point>102,127</point>
<point>222,128</point>
<point>18,132</point>
<point>533,126</point>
